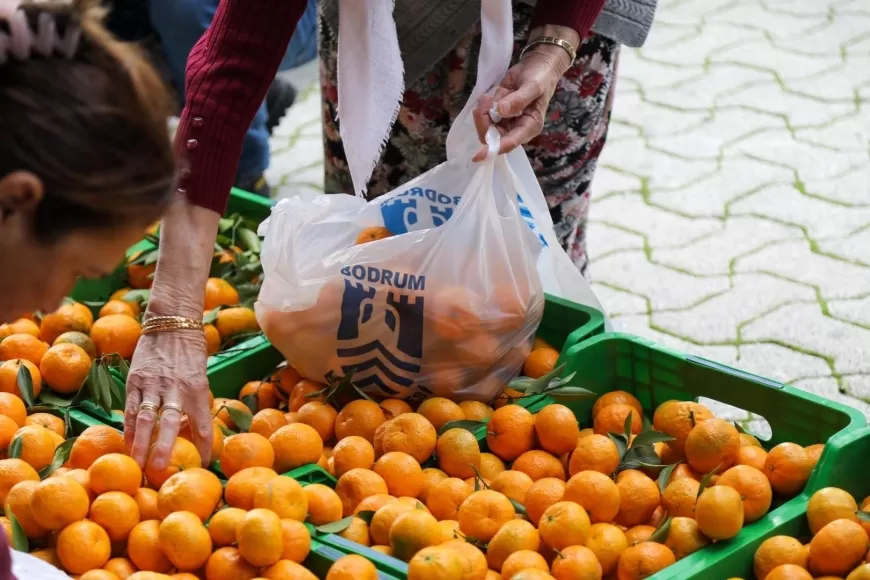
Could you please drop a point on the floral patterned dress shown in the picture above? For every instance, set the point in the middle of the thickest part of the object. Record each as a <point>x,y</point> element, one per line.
<point>564,156</point>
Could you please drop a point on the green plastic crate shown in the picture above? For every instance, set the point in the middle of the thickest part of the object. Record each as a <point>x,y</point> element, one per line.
<point>655,374</point>
<point>79,421</point>
<point>322,556</point>
<point>838,468</point>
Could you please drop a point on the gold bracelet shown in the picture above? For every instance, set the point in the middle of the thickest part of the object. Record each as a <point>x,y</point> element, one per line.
<point>164,323</point>
<point>551,40</point>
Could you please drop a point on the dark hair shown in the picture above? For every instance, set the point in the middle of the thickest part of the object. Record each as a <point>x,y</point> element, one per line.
<point>92,127</point>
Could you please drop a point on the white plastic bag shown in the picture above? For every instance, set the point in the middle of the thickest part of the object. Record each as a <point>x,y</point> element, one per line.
<point>449,304</point>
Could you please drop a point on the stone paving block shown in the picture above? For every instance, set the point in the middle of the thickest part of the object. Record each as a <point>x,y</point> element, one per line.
<point>851,132</point>
<point>654,119</point>
<point>849,187</point>
<point>605,239</point>
<point>805,327</point>
<point>809,161</point>
<point>828,388</point>
<point>703,90</point>
<point>713,254</point>
<point>617,302</point>
<point>719,318</point>
<point>858,386</point>
<point>639,325</point>
<point>799,109</point>
<point>725,126</point>
<point>857,310</point>
<point>666,288</point>
<point>710,39</point>
<point>607,180</point>
<point>662,170</point>
<point>795,261</point>
<point>780,363</point>
<point>660,227</point>
<point>779,24</point>
<point>855,247</point>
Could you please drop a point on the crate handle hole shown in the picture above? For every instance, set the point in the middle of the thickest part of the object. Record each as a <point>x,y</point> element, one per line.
<point>752,423</point>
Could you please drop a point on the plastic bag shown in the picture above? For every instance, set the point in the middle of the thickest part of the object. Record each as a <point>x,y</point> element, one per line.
<point>447,306</point>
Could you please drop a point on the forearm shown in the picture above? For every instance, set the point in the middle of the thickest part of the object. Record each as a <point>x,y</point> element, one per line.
<point>187,237</point>
<point>577,15</point>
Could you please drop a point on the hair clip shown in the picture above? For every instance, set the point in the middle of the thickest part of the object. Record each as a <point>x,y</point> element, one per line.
<point>21,41</point>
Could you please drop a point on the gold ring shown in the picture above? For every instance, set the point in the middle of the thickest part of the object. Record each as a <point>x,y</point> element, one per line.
<point>173,407</point>
<point>146,406</point>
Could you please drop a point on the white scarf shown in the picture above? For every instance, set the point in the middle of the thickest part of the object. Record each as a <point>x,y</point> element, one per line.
<point>371,76</point>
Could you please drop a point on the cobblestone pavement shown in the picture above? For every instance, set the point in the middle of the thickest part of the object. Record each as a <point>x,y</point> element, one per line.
<point>731,213</point>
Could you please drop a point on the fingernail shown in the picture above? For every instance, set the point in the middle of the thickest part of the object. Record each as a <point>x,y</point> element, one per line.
<point>502,109</point>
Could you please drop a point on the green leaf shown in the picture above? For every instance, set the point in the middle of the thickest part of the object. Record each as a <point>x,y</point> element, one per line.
<point>863,516</point>
<point>637,457</point>
<point>123,367</point>
<point>138,296</point>
<point>210,316</point>
<point>52,400</point>
<point>366,516</point>
<point>626,427</point>
<point>538,385</point>
<point>739,428</point>
<point>705,481</point>
<point>570,393</point>
<point>67,423</point>
<point>479,482</point>
<point>661,534</point>
<point>665,476</point>
<point>650,438</point>
<point>103,385</point>
<point>518,507</point>
<point>249,240</point>
<point>336,527</point>
<point>467,424</point>
<point>18,540</point>
<point>15,447</point>
<point>251,402</point>
<point>61,456</point>
<point>226,430</point>
<point>647,426</point>
<point>620,442</point>
<point>226,224</point>
<point>25,384</point>
<point>240,418</point>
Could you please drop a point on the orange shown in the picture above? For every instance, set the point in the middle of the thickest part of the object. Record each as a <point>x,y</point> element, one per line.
<point>638,534</point>
<point>95,442</point>
<point>753,456</point>
<point>67,318</point>
<point>352,567</point>
<point>228,564</point>
<point>115,472</point>
<point>776,551</point>
<point>246,450</point>
<point>84,479</point>
<point>483,513</point>
<point>712,444</point>
<point>402,474</point>
<point>324,505</point>
<point>608,543</point>
<point>83,546</point>
<point>788,572</point>
<point>242,486</point>
<point>120,567</point>
<point>9,376</point>
<point>719,512</point>
<point>677,419</point>
<point>139,274</point>
<point>373,234</point>
<point>412,531</point>
<point>301,392</point>
<point>20,326</point>
<point>46,420</point>
<point>8,428</point>
<point>223,524</point>
<point>184,455</point>
<point>513,484</point>
<point>143,548</point>
<point>219,292</point>
<point>194,490</point>
<point>490,465</point>
<point>542,494</point>
<point>134,304</point>
<point>13,407</point>
<point>23,346</point>
<point>260,537</point>
<point>116,333</point>
<point>98,575</point>
<point>394,407</point>
<point>115,512</point>
<point>358,484</point>
<point>458,453</point>
<point>284,496</point>
<point>147,500</point>
<point>829,504</point>
<point>296,539</point>
<point>523,560</point>
<point>19,502</point>
<point>357,531</point>
<point>320,416</point>
<point>557,429</point>
<point>361,418</point>
<point>815,452</point>
<point>439,411</point>
<point>639,497</point>
<point>384,518</point>
<point>65,367</point>
<point>564,524</point>
<point>611,419</point>
<point>596,493</point>
<point>473,559</point>
<point>837,548</point>
<point>234,321</point>
<point>284,379</point>
<point>37,445</point>
<point>613,397</point>
<point>540,362</point>
<point>219,410</point>
<point>513,536</point>
<point>436,562</point>
<point>643,560</point>
<point>538,464</point>
<point>576,562</point>
<point>295,445</point>
<point>267,421</point>
<point>284,570</point>
<point>475,410</point>
<point>410,433</point>
<point>117,307</point>
<point>263,393</point>
<point>788,467</point>
<point>754,488</point>
<point>684,537</point>
<point>510,432</point>
<point>454,313</point>
<point>212,339</point>
<point>217,436</point>
<point>351,453</point>
<point>58,502</point>
<point>446,496</point>
<point>449,530</point>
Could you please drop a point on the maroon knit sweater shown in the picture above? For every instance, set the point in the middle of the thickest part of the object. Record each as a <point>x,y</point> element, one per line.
<point>231,67</point>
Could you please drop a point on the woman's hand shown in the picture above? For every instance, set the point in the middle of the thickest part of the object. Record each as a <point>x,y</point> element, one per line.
<point>168,369</point>
<point>524,94</point>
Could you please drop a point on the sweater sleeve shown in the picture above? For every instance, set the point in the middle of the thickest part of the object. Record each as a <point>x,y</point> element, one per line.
<point>577,14</point>
<point>229,72</point>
